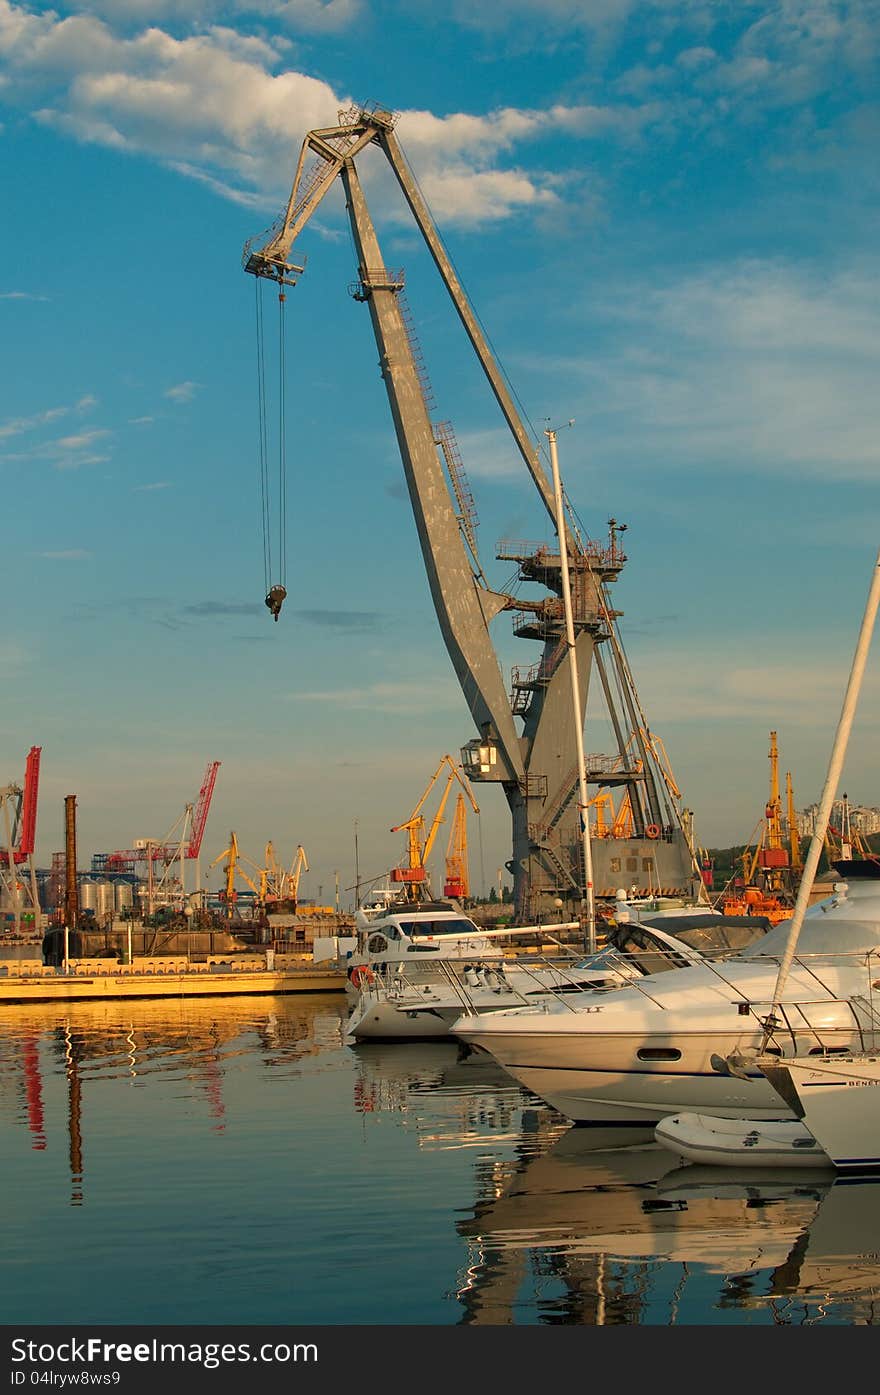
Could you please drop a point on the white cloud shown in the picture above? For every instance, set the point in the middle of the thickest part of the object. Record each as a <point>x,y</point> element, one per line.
<point>21,295</point>
<point>147,488</point>
<point>16,426</point>
<point>760,362</point>
<point>78,442</point>
<point>183,392</point>
<point>315,15</point>
<point>210,106</point>
<point>74,462</point>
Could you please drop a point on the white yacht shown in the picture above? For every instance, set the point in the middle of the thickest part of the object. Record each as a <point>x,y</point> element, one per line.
<point>415,936</point>
<point>645,1051</point>
<point>395,1004</point>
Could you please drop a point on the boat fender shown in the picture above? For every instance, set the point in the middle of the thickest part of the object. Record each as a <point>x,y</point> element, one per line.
<point>652,831</point>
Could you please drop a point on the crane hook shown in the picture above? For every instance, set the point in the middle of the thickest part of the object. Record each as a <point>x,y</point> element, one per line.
<point>275,600</point>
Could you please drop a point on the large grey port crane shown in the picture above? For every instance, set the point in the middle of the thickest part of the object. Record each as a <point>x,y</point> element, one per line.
<point>537,767</point>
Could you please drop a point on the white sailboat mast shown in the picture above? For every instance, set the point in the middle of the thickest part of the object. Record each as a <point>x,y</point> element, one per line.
<point>590,904</point>
<point>835,766</point>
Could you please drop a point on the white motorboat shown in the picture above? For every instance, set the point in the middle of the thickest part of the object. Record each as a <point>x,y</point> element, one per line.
<point>393,1005</point>
<point>393,1008</point>
<point>704,1138</point>
<point>837,1098</point>
<point>645,1051</point>
<point>412,938</point>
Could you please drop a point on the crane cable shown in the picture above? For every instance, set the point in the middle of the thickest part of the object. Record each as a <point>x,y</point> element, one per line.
<point>282,446</point>
<point>275,589</point>
<point>263,435</point>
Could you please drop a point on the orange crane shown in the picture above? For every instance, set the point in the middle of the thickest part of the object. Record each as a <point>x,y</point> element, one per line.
<point>767,894</point>
<point>420,843</point>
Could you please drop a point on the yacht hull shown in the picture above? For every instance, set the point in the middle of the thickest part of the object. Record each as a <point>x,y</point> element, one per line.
<point>598,1077</point>
<point>838,1100</point>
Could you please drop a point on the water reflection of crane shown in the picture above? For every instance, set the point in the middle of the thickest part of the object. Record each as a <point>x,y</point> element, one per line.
<point>33,1086</point>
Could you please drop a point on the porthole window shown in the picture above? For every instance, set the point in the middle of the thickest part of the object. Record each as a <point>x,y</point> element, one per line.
<point>658,1053</point>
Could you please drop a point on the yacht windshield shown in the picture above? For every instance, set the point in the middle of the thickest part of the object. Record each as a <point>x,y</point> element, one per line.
<point>417,929</point>
<point>645,952</point>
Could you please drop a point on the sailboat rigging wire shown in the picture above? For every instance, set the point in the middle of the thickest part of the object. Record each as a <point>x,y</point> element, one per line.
<point>282,448</point>
<point>263,436</point>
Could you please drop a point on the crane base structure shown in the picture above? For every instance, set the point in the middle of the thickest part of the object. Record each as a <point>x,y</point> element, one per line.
<point>537,764</point>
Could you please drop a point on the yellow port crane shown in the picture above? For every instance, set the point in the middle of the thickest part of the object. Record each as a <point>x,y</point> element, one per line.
<point>233,858</point>
<point>419,843</point>
<point>772,857</point>
<point>457,881</point>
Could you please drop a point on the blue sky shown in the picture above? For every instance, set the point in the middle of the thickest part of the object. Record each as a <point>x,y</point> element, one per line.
<point>665,213</point>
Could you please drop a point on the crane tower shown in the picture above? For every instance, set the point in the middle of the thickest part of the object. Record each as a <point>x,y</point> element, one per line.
<point>537,765</point>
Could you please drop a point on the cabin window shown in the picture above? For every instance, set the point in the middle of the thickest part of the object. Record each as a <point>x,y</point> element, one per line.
<point>658,1053</point>
<point>646,864</point>
<point>632,864</point>
<point>376,944</point>
<point>614,864</point>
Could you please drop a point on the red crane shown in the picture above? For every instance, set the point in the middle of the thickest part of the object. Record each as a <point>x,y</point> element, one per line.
<point>200,816</point>
<point>194,817</point>
<point>24,809</point>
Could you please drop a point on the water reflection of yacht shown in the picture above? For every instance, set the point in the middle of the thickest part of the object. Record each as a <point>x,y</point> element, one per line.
<point>452,1101</point>
<point>584,1223</point>
<point>838,1259</point>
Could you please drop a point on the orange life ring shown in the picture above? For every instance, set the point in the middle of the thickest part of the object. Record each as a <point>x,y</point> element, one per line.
<point>361,975</point>
<point>652,831</point>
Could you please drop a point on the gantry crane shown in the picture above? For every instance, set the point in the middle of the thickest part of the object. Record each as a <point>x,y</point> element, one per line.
<point>537,767</point>
<point>421,842</point>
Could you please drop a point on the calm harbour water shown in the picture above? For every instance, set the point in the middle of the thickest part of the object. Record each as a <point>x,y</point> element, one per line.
<point>234,1161</point>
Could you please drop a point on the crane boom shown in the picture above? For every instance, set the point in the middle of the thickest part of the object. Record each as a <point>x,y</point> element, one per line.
<point>29,804</point>
<point>200,815</point>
